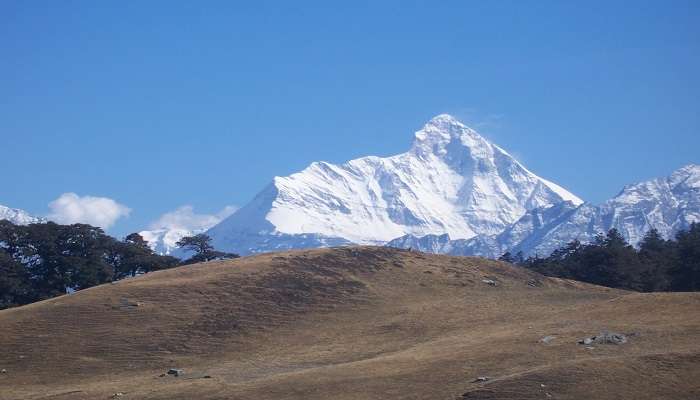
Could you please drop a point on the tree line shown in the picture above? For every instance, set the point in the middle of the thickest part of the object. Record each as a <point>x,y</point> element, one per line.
<point>40,261</point>
<point>656,265</point>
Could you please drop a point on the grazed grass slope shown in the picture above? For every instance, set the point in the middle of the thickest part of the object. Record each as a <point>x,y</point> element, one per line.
<point>350,323</point>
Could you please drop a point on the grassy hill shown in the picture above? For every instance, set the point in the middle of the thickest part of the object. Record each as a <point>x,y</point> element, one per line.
<point>350,323</point>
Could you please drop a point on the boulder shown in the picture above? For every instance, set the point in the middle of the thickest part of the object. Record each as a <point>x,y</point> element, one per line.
<point>611,338</point>
<point>605,338</point>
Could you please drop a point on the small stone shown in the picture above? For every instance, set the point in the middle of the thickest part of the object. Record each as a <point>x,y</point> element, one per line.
<point>605,338</point>
<point>534,283</point>
<point>547,339</point>
<point>3,371</point>
<point>175,371</point>
<point>118,394</point>
<point>612,338</point>
<point>481,379</point>
<point>206,377</point>
<point>586,341</point>
<point>490,282</point>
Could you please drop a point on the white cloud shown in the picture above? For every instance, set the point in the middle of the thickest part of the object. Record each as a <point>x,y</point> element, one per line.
<point>185,218</point>
<point>69,208</point>
<point>226,212</point>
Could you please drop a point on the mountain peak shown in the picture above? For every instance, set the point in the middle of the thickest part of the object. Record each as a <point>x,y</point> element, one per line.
<point>686,177</point>
<point>690,169</point>
<point>18,217</point>
<point>446,124</point>
<point>445,119</point>
<point>444,131</point>
<point>451,181</point>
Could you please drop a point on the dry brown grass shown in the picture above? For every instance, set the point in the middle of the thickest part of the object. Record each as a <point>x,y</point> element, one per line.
<point>350,323</point>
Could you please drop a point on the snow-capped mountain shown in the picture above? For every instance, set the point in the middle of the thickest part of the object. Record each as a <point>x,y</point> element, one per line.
<point>525,234</point>
<point>18,217</point>
<point>440,244</point>
<point>163,241</point>
<point>166,231</point>
<point>667,204</point>
<point>451,181</point>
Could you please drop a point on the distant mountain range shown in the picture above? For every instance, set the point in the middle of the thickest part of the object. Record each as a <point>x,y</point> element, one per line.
<point>452,192</point>
<point>667,204</point>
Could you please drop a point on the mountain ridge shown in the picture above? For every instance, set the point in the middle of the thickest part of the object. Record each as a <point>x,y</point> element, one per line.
<point>18,216</point>
<point>451,180</point>
<point>667,204</point>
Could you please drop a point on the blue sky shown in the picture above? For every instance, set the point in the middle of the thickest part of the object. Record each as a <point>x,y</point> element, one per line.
<point>163,104</point>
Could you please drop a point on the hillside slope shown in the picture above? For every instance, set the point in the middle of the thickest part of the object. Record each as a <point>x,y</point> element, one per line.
<point>350,323</point>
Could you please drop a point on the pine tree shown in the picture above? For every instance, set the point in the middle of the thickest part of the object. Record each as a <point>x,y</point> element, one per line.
<point>136,257</point>
<point>14,282</point>
<point>656,256</point>
<point>201,245</point>
<point>507,257</point>
<point>686,271</point>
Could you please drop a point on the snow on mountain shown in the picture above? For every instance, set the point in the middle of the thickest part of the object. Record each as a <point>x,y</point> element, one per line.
<point>169,228</point>
<point>451,181</point>
<point>441,244</point>
<point>525,234</point>
<point>18,217</point>
<point>667,204</point>
<point>163,241</point>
